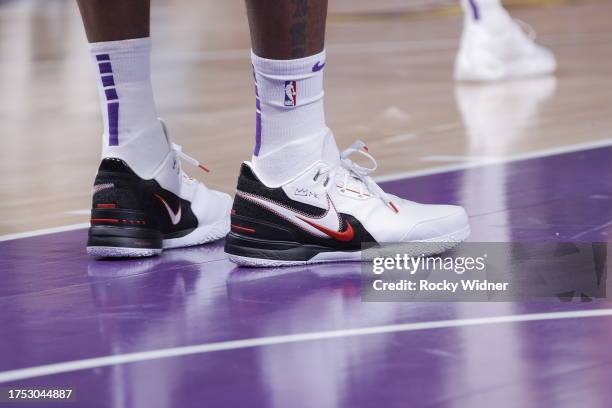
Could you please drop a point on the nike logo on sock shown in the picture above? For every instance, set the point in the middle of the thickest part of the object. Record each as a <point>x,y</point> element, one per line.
<point>318,66</point>
<point>175,217</point>
<point>324,226</point>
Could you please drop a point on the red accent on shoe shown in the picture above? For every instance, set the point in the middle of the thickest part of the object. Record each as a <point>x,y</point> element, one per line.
<point>245,229</point>
<point>111,220</point>
<point>366,148</point>
<point>106,205</point>
<point>204,168</point>
<point>344,236</point>
<point>351,190</point>
<point>393,207</point>
<point>115,221</point>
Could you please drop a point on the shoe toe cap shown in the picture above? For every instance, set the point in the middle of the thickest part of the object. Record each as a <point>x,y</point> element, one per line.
<point>439,222</point>
<point>549,62</point>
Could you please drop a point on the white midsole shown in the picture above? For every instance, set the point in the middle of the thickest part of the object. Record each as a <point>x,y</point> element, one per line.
<point>201,235</point>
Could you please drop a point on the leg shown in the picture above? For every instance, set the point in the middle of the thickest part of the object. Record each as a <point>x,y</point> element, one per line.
<point>288,58</point>
<point>114,20</point>
<point>287,29</point>
<point>142,201</point>
<point>118,32</point>
<point>300,200</point>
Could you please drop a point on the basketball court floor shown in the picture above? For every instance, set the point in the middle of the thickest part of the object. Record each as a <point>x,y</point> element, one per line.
<point>530,161</point>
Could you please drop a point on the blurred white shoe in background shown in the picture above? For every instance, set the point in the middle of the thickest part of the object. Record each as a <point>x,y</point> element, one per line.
<point>495,47</point>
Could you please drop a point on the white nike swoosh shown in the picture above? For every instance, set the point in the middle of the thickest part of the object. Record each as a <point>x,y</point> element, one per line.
<point>330,219</point>
<point>175,218</point>
<point>99,187</point>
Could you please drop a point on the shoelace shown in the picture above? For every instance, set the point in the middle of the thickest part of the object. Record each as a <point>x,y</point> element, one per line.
<point>178,149</point>
<point>527,29</point>
<point>361,173</point>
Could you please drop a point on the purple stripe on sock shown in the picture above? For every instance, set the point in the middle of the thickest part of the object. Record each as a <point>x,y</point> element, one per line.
<point>475,10</point>
<point>105,68</point>
<point>257,134</point>
<point>113,124</point>
<point>111,94</point>
<point>257,118</point>
<point>103,57</point>
<point>108,81</point>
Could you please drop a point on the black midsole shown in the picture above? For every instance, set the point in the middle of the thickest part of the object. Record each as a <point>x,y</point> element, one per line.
<point>240,245</point>
<point>179,234</point>
<point>124,237</point>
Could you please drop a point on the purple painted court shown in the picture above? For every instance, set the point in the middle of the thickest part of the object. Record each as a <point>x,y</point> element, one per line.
<point>220,336</point>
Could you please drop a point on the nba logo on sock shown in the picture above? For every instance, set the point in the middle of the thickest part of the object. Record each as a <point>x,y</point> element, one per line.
<point>290,93</point>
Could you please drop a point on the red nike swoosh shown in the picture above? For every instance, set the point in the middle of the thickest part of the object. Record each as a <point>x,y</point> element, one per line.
<point>344,236</point>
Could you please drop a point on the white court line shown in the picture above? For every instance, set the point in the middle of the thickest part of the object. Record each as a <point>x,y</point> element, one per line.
<point>459,158</point>
<point>83,211</point>
<point>499,160</point>
<point>77,365</point>
<point>390,177</point>
<point>604,225</point>
<point>44,231</point>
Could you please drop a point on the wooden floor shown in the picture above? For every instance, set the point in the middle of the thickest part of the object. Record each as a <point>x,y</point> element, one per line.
<point>388,82</point>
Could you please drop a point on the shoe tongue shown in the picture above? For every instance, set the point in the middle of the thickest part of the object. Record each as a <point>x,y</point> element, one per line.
<point>330,152</point>
<point>331,156</point>
<point>166,133</point>
<point>353,184</point>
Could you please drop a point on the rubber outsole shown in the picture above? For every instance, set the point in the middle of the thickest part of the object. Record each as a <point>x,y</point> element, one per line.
<point>199,236</point>
<point>119,252</point>
<point>428,247</point>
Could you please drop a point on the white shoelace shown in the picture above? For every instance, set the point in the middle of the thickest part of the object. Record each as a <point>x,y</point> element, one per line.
<point>527,29</point>
<point>360,173</point>
<point>178,149</point>
<point>351,169</point>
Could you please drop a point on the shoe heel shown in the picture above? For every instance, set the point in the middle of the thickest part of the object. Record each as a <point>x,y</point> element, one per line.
<point>240,246</point>
<point>122,233</point>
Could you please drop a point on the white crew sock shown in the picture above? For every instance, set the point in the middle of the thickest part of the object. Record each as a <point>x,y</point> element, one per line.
<point>132,131</point>
<point>290,131</point>
<point>488,13</point>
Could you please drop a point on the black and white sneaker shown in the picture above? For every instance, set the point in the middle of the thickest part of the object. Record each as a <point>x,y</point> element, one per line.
<point>328,213</point>
<point>133,217</point>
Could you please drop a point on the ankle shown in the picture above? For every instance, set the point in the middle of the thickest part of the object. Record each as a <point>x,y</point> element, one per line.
<point>277,167</point>
<point>145,151</point>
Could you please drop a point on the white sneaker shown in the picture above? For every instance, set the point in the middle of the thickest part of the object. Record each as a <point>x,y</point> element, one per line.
<point>506,54</point>
<point>328,212</point>
<point>134,217</point>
